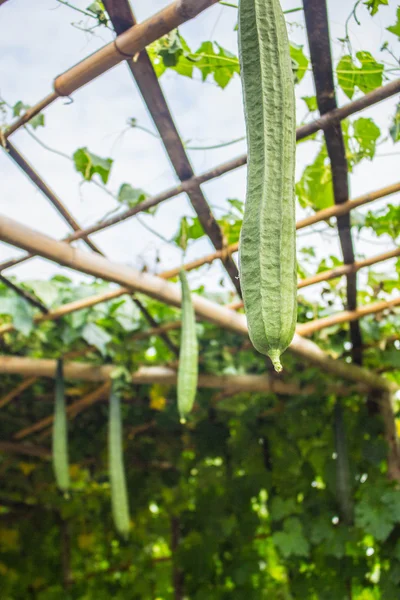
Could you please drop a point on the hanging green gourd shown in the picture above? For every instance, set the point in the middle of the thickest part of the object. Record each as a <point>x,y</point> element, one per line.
<point>267,249</point>
<point>119,493</point>
<point>60,432</point>
<point>188,354</point>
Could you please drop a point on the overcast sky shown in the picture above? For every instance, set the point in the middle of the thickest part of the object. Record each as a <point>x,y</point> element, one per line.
<point>37,42</point>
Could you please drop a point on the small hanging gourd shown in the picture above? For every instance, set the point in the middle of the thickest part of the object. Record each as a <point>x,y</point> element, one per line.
<point>188,354</point>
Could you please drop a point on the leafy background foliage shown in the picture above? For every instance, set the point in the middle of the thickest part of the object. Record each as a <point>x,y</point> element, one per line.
<point>244,501</point>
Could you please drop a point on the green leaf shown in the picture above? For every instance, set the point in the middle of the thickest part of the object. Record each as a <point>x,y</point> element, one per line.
<point>395,29</point>
<point>230,228</point>
<point>291,540</point>
<point>96,336</point>
<point>20,311</point>
<point>373,5</point>
<point>366,134</point>
<point>19,107</point>
<point>89,164</point>
<point>311,102</point>
<point>237,205</point>
<point>395,128</point>
<point>130,196</point>
<point>283,507</point>
<point>300,61</point>
<point>346,75</point>
<point>366,77</point>
<point>189,229</point>
<point>385,221</point>
<point>314,188</point>
<point>222,65</point>
<point>37,121</point>
<point>378,511</point>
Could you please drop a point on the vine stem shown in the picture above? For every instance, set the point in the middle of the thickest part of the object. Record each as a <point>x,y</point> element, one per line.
<point>83,12</point>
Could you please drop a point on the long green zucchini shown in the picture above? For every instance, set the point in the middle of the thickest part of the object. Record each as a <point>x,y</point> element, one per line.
<point>267,249</point>
<point>188,354</point>
<point>119,493</point>
<point>60,433</point>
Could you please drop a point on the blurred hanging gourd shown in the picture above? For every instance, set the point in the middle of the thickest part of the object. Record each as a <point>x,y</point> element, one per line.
<point>189,353</point>
<point>60,432</point>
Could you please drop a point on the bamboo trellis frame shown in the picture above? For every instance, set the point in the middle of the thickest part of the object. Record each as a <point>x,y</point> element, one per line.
<point>25,238</point>
<point>131,42</point>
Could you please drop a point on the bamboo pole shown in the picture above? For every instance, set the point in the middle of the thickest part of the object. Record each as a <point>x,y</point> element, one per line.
<point>72,410</point>
<point>71,307</point>
<point>24,449</point>
<point>40,367</point>
<point>322,215</point>
<point>346,316</point>
<point>123,47</point>
<point>17,391</point>
<point>144,375</point>
<point>28,239</point>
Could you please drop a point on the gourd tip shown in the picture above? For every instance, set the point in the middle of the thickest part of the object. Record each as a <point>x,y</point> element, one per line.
<point>275,358</point>
<point>182,420</point>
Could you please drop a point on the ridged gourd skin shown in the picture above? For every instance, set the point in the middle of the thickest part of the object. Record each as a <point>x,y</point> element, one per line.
<point>60,432</point>
<point>119,493</point>
<point>267,249</point>
<point>188,354</point>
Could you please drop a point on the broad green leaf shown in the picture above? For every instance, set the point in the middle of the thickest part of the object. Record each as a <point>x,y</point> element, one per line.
<point>89,164</point>
<point>373,5</point>
<point>314,188</point>
<point>222,65</point>
<point>366,134</point>
<point>346,74</point>
<point>370,73</point>
<point>18,108</point>
<point>20,311</point>
<point>230,228</point>
<point>130,196</point>
<point>378,511</point>
<point>395,29</point>
<point>189,229</point>
<point>37,121</point>
<point>291,540</point>
<point>366,77</point>
<point>311,102</point>
<point>96,336</point>
<point>385,221</point>
<point>283,507</point>
<point>300,62</point>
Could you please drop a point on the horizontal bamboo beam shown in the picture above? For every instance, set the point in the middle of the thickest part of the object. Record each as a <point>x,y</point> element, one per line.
<point>347,316</point>
<point>144,375</point>
<point>28,239</point>
<point>40,367</point>
<point>123,47</point>
<point>90,301</point>
<point>24,449</point>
